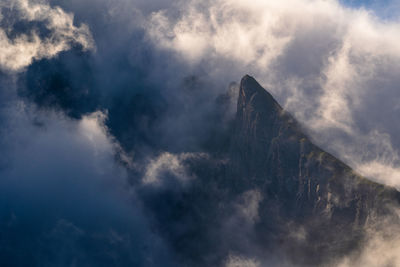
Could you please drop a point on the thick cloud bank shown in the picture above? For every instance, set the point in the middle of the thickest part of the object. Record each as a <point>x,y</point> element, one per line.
<point>334,67</point>
<point>64,200</point>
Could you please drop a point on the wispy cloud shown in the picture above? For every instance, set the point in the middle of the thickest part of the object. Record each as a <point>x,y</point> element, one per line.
<point>237,261</point>
<point>167,164</point>
<point>334,67</point>
<point>18,51</point>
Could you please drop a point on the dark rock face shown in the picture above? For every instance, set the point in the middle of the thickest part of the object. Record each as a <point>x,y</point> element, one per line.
<point>267,193</point>
<point>300,183</point>
<point>270,152</point>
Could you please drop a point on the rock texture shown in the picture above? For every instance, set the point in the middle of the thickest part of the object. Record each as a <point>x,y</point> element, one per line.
<point>267,192</point>
<point>299,182</point>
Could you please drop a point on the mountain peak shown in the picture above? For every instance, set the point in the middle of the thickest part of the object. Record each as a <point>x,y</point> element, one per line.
<point>253,94</point>
<point>249,82</point>
<point>298,181</point>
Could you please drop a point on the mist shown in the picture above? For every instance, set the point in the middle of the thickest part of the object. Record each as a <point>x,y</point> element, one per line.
<point>106,105</point>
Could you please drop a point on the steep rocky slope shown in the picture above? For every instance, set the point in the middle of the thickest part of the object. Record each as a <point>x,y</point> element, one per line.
<point>300,183</point>
<point>266,192</point>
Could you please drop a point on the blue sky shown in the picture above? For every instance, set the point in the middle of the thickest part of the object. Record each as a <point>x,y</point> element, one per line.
<point>386,9</point>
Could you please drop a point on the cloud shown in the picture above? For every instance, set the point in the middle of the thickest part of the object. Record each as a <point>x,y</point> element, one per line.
<point>248,205</point>
<point>167,164</point>
<point>19,49</point>
<point>380,248</point>
<point>230,29</point>
<point>236,261</point>
<point>158,69</point>
<point>65,200</point>
<point>334,67</point>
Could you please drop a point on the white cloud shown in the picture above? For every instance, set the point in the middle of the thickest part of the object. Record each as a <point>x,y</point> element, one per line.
<point>381,247</point>
<point>227,28</point>
<point>237,261</point>
<point>334,67</point>
<point>19,52</point>
<point>169,164</point>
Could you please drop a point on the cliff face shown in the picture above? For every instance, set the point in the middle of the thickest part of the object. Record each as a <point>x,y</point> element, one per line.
<point>266,192</point>
<point>300,183</point>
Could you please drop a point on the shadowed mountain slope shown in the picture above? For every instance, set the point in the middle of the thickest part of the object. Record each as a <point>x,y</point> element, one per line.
<point>271,195</point>
<point>299,182</point>
<point>271,152</point>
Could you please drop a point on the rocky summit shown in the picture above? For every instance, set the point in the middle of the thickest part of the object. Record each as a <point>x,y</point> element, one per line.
<point>299,182</point>
<point>270,194</point>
